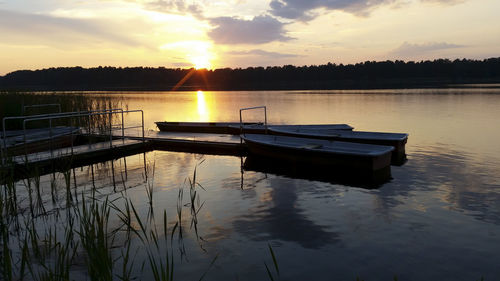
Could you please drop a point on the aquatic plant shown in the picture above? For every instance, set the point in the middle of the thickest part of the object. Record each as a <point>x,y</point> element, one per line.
<point>275,263</point>
<point>95,238</point>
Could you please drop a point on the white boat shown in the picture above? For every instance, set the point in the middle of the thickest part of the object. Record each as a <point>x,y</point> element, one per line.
<point>396,140</point>
<point>336,154</point>
<point>260,128</point>
<point>235,128</point>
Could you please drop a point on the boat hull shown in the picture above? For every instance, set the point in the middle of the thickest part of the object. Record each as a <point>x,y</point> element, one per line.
<point>262,129</point>
<point>41,145</point>
<point>40,140</point>
<point>234,128</point>
<point>396,140</point>
<point>340,159</point>
<point>198,127</point>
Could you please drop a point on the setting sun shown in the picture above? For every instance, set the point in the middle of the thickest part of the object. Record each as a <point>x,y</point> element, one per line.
<point>197,53</point>
<point>201,62</point>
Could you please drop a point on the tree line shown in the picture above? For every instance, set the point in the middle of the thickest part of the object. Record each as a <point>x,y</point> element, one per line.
<point>369,74</point>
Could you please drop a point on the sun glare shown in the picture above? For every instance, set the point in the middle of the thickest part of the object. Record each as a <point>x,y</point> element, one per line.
<point>201,62</point>
<point>197,53</point>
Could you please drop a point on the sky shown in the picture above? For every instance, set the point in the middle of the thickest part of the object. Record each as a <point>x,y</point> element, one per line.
<point>38,34</point>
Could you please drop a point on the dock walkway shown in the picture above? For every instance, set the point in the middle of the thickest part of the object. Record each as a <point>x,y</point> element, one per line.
<point>94,150</point>
<point>215,144</point>
<point>61,159</point>
<point>64,158</point>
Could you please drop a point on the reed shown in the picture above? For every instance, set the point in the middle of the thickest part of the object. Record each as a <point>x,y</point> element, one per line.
<point>5,252</point>
<point>69,103</point>
<point>161,267</point>
<point>67,181</point>
<point>40,206</point>
<point>52,258</point>
<point>95,238</point>
<point>275,263</point>
<point>149,191</point>
<point>27,184</point>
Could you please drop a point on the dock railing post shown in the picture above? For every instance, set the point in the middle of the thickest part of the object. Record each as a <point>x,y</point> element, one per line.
<point>265,118</point>
<point>24,141</point>
<point>1,154</point>
<point>4,140</point>
<point>71,136</point>
<point>1,149</point>
<point>50,138</point>
<point>89,130</point>
<point>142,115</point>
<point>249,108</point>
<point>241,124</point>
<point>110,131</point>
<point>123,127</point>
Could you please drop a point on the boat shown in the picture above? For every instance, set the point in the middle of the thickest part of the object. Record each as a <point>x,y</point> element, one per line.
<point>260,128</point>
<point>336,155</point>
<point>35,140</point>
<point>198,127</point>
<point>396,140</point>
<point>235,128</point>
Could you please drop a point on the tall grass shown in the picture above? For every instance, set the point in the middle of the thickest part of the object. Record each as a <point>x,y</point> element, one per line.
<point>12,103</point>
<point>96,237</point>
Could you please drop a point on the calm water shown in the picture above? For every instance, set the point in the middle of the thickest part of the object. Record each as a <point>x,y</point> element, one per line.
<point>437,219</point>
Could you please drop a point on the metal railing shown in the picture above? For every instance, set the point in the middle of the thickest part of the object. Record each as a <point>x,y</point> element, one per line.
<point>12,118</point>
<point>106,131</point>
<point>251,108</point>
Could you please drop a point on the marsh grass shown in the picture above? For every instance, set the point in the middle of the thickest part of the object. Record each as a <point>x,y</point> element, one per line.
<point>97,236</point>
<point>95,239</point>
<point>69,103</point>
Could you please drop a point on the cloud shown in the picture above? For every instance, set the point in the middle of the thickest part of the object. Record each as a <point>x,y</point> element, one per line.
<point>259,30</point>
<point>299,9</point>
<point>262,53</point>
<point>447,2</point>
<point>182,64</point>
<point>258,57</point>
<point>57,30</point>
<point>408,49</point>
<point>174,6</point>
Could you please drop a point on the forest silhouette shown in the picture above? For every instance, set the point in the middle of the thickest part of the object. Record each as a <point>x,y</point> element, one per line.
<point>365,75</point>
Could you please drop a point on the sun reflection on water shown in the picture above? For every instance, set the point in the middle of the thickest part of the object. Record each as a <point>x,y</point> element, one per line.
<point>202,106</point>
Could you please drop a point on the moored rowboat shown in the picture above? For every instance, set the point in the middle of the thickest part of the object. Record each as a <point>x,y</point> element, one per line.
<point>235,128</point>
<point>260,128</point>
<point>197,127</point>
<point>396,140</point>
<point>335,154</point>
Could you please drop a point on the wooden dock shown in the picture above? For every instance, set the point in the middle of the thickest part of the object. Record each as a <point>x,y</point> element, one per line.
<point>214,144</point>
<point>61,159</point>
<point>69,157</point>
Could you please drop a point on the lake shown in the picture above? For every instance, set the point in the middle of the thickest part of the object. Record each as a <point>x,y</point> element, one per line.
<point>438,218</point>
